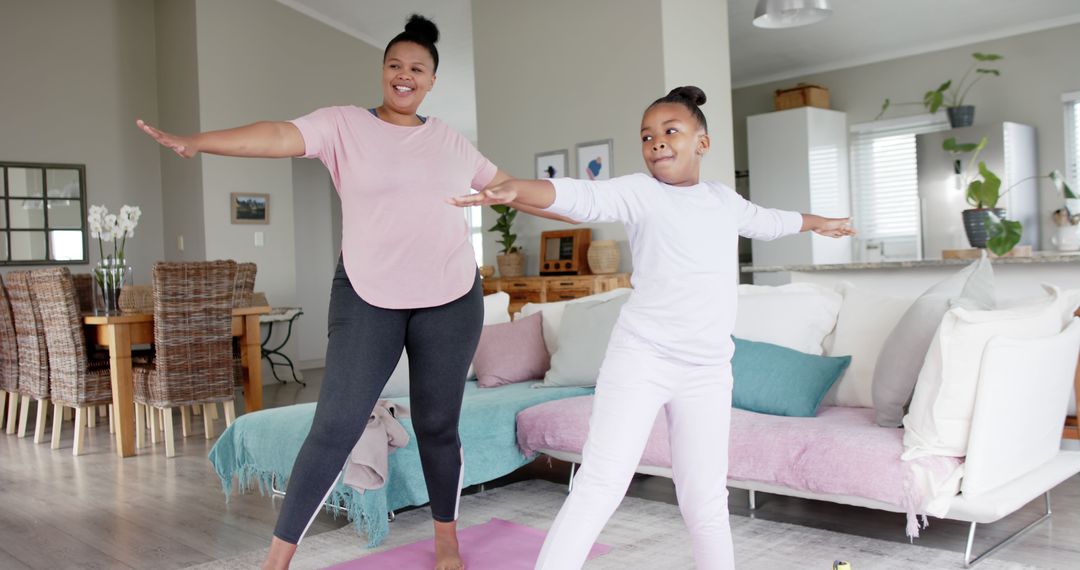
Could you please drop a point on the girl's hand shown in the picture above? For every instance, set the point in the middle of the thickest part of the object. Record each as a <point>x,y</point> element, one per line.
<point>180,145</point>
<point>834,227</point>
<point>498,194</point>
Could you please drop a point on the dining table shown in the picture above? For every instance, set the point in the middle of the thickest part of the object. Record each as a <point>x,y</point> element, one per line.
<point>122,330</point>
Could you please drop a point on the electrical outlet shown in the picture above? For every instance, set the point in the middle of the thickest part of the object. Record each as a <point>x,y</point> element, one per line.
<point>258,239</point>
<point>180,243</point>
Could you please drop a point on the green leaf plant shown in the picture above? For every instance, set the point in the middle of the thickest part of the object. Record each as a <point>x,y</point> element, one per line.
<point>947,94</point>
<point>503,225</point>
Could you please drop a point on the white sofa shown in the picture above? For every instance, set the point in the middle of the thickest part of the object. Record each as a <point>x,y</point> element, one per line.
<point>1014,452</point>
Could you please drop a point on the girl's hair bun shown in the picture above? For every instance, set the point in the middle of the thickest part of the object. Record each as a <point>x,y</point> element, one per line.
<point>691,93</point>
<point>422,27</point>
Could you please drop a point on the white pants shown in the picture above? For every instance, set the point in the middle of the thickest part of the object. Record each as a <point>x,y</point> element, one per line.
<point>634,383</point>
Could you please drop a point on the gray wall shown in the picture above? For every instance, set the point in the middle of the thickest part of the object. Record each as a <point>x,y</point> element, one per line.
<point>1038,68</point>
<point>554,74</point>
<point>76,75</point>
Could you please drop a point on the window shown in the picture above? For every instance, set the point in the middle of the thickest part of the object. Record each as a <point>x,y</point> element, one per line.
<point>1072,138</point>
<point>43,217</point>
<point>476,232</point>
<point>885,185</point>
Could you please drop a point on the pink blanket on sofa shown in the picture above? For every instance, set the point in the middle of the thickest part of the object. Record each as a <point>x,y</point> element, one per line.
<point>840,452</point>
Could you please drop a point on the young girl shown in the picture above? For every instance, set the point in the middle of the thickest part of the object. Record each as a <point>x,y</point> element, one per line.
<point>672,345</point>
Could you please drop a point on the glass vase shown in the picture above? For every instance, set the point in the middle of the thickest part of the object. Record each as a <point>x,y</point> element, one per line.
<point>110,276</point>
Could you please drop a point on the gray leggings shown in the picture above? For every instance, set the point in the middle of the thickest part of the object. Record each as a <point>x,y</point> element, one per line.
<point>365,344</point>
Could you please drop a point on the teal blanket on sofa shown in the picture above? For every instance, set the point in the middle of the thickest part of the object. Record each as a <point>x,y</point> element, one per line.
<point>259,449</point>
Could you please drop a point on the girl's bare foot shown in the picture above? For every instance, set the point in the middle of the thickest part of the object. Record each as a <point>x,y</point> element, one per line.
<point>447,556</point>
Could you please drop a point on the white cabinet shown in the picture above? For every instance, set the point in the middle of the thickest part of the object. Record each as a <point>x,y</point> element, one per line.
<point>799,161</point>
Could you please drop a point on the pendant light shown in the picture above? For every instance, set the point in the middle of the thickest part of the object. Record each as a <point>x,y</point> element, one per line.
<point>790,13</point>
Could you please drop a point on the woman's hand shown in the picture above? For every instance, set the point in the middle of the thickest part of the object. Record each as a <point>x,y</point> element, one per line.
<point>492,195</point>
<point>832,227</point>
<point>182,146</point>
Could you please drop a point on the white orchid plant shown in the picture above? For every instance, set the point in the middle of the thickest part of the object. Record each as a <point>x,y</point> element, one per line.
<point>114,229</point>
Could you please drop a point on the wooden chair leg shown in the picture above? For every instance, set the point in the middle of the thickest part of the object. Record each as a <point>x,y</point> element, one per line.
<point>102,410</point>
<point>185,421</point>
<point>39,423</point>
<point>57,423</point>
<point>69,414</point>
<point>170,439</point>
<point>155,424</point>
<point>213,410</point>
<point>196,409</point>
<point>24,415</point>
<point>112,420</point>
<point>91,417</point>
<point>230,412</point>
<point>140,425</point>
<point>80,430</point>
<point>208,422</point>
<point>12,412</point>
<point>3,405</point>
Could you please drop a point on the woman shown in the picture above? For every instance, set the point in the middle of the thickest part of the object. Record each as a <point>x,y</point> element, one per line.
<point>407,277</point>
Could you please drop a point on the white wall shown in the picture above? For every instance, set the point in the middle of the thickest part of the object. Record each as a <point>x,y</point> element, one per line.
<point>553,74</point>
<point>316,257</point>
<point>76,75</point>
<point>1038,67</point>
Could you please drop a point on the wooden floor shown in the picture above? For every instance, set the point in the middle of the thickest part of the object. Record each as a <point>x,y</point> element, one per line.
<point>100,511</point>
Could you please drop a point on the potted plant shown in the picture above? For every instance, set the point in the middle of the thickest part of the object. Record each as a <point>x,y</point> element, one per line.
<point>985,224</point>
<point>511,260</point>
<point>952,97</point>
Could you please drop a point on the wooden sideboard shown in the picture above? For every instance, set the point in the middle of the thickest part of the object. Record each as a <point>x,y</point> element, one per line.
<point>524,290</point>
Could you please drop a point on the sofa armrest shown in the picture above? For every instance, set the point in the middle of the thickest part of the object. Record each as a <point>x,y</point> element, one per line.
<point>1024,386</point>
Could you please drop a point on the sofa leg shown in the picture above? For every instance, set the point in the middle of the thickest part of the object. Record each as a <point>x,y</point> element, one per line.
<point>753,500</point>
<point>969,561</point>
<point>570,485</point>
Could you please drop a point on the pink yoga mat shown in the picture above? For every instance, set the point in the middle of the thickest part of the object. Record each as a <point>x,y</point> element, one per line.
<point>494,545</point>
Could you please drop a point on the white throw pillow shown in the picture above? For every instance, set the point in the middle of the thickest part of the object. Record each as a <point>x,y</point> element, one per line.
<point>1031,375</point>
<point>939,418</point>
<point>553,313</point>
<point>496,311</point>
<point>866,319</point>
<point>798,316</point>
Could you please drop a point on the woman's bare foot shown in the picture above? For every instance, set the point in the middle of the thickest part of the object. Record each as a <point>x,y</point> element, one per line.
<point>280,555</point>
<point>447,556</point>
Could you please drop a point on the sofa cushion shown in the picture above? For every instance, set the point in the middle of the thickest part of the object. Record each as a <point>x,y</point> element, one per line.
<point>553,313</point>
<point>904,350</point>
<point>798,316</point>
<point>496,310</point>
<point>772,379</point>
<point>511,352</point>
<point>583,338</point>
<point>939,418</point>
<point>1029,375</point>
<point>865,320</point>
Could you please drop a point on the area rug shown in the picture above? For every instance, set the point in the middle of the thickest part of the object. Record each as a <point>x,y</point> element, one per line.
<point>494,545</point>
<point>643,534</point>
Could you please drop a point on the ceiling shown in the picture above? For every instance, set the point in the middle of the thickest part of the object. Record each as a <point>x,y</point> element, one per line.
<point>858,32</point>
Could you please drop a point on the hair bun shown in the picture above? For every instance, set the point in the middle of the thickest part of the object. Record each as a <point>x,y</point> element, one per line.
<point>691,93</point>
<point>422,27</point>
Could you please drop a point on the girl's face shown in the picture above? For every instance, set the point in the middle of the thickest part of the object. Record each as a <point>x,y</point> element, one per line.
<point>408,75</point>
<point>672,144</point>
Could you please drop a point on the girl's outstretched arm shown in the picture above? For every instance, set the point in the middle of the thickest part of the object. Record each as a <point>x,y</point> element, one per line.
<point>265,139</point>
<point>830,227</point>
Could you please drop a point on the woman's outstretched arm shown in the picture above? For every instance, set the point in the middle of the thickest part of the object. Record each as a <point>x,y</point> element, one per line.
<point>265,139</point>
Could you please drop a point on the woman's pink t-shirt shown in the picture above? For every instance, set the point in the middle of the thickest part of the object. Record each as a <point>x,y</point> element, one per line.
<point>404,247</point>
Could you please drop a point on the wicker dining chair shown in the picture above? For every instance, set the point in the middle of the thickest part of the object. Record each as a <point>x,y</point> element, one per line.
<point>75,381</point>
<point>9,362</point>
<point>33,354</point>
<point>192,365</point>
<point>84,291</point>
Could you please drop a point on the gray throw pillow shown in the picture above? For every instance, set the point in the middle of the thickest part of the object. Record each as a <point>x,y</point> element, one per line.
<point>583,338</point>
<point>902,356</point>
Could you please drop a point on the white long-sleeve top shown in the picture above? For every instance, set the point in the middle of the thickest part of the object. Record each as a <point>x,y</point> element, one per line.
<point>684,243</point>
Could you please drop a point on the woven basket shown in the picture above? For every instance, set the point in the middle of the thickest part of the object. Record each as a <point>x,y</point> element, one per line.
<point>137,299</point>
<point>511,264</point>
<point>603,257</point>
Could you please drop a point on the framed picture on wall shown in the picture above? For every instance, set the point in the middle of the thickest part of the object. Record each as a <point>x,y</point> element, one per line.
<point>594,160</point>
<point>250,208</point>
<point>553,164</point>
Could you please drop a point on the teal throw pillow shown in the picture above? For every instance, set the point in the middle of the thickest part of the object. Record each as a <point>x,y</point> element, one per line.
<point>771,379</point>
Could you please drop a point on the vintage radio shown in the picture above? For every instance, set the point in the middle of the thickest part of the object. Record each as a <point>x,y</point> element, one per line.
<point>564,252</point>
